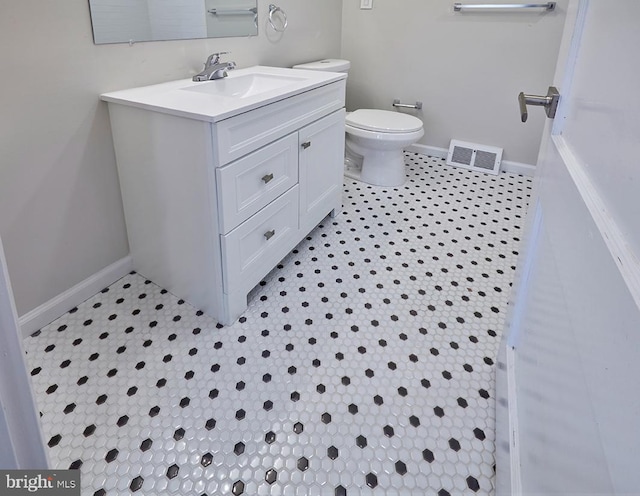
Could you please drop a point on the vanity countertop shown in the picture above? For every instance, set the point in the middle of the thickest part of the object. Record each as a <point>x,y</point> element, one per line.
<point>242,90</point>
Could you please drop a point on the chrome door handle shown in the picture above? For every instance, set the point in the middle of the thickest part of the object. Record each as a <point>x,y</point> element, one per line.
<point>269,234</point>
<point>549,102</point>
<point>268,177</point>
<point>306,145</point>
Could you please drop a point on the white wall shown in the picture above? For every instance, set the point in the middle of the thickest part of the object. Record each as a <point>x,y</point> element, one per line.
<point>61,214</point>
<point>467,68</point>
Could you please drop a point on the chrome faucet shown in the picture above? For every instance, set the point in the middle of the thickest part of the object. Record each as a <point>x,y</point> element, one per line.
<point>214,69</point>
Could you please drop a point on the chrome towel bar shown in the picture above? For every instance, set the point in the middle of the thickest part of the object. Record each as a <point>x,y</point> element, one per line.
<point>459,7</point>
<point>253,11</point>
<point>417,105</point>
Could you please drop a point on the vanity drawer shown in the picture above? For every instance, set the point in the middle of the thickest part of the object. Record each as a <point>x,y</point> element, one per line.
<point>253,248</point>
<point>247,132</point>
<point>250,183</point>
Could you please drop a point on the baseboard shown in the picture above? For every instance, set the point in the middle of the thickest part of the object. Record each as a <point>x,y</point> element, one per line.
<point>432,151</point>
<point>518,168</point>
<point>506,166</point>
<point>55,307</point>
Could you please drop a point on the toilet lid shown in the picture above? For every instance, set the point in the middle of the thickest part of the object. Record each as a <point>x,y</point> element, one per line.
<point>383,121</point>
<point>335,65</point>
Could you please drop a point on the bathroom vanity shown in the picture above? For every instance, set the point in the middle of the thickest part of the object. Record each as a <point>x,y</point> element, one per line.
<point>221,179</point>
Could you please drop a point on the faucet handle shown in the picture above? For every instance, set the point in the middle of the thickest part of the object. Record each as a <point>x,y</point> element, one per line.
<point>214,58</point>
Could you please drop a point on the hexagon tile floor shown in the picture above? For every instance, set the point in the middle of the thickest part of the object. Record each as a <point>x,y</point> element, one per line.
<point>363,366</point>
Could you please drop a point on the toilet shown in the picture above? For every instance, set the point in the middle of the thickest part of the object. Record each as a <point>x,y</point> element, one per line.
<point>374,139</point>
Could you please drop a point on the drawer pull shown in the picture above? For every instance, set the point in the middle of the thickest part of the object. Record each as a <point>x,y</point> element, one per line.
<point>267,178</point>
<point>306,145</point>
<point>269,234</point>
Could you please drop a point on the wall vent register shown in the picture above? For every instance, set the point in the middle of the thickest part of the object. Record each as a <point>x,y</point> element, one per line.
<point>472,156</point>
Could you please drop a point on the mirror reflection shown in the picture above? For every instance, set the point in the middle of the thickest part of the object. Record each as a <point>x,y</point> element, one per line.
<point>118,21</point>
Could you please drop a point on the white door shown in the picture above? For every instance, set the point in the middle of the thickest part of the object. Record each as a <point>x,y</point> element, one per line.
<point>21,443</point>
<point>568,414</point>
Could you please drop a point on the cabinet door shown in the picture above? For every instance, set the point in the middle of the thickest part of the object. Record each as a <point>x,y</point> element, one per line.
<point>321,167</point>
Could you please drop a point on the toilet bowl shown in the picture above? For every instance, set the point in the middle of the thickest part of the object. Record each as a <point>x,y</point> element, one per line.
<point>379,137</point>
<point>374,139</point>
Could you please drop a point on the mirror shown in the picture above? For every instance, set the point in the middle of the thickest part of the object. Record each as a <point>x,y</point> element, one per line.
<point>118,21</point>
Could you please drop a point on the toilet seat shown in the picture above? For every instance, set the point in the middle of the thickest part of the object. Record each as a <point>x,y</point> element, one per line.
<point>383,121</point>
<point>382,137</point>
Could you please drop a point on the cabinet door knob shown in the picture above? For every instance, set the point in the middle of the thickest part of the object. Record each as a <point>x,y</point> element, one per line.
<point>267,178</point>
<point>306,145</point>
<point>269,234</point>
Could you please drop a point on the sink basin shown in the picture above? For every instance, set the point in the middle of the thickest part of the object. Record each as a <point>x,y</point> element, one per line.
<point>244,86</point>
<point>242,90</point>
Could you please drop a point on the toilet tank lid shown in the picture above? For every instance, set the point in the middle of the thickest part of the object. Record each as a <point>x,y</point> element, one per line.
<point>331,65</point>
<point>383,121</point>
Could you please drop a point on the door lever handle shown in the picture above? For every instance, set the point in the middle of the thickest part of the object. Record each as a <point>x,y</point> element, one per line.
<point>549,102</point>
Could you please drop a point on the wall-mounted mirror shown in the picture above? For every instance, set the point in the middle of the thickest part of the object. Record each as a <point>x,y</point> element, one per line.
<point>118,21</point>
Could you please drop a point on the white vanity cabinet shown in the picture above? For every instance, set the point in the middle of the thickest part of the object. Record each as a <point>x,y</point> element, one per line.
<point>212,206</point>
<point>310,162</point>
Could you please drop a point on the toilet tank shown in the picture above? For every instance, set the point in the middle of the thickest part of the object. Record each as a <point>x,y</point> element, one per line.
<point>331,65</point>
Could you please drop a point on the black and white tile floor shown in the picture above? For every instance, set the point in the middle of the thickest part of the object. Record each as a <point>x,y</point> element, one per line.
<point>364,364</point>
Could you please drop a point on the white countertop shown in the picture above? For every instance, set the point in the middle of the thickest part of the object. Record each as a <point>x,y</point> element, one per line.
<point>187,98</point>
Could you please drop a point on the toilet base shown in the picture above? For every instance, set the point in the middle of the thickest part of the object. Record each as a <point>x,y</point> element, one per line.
<point>381,155</point>
<point>355,172</point>
<point>378,168</point>
<point>352,165</point>
<point>384,168</point>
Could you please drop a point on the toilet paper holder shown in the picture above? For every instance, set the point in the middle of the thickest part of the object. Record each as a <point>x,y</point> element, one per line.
<point>417,105</point>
